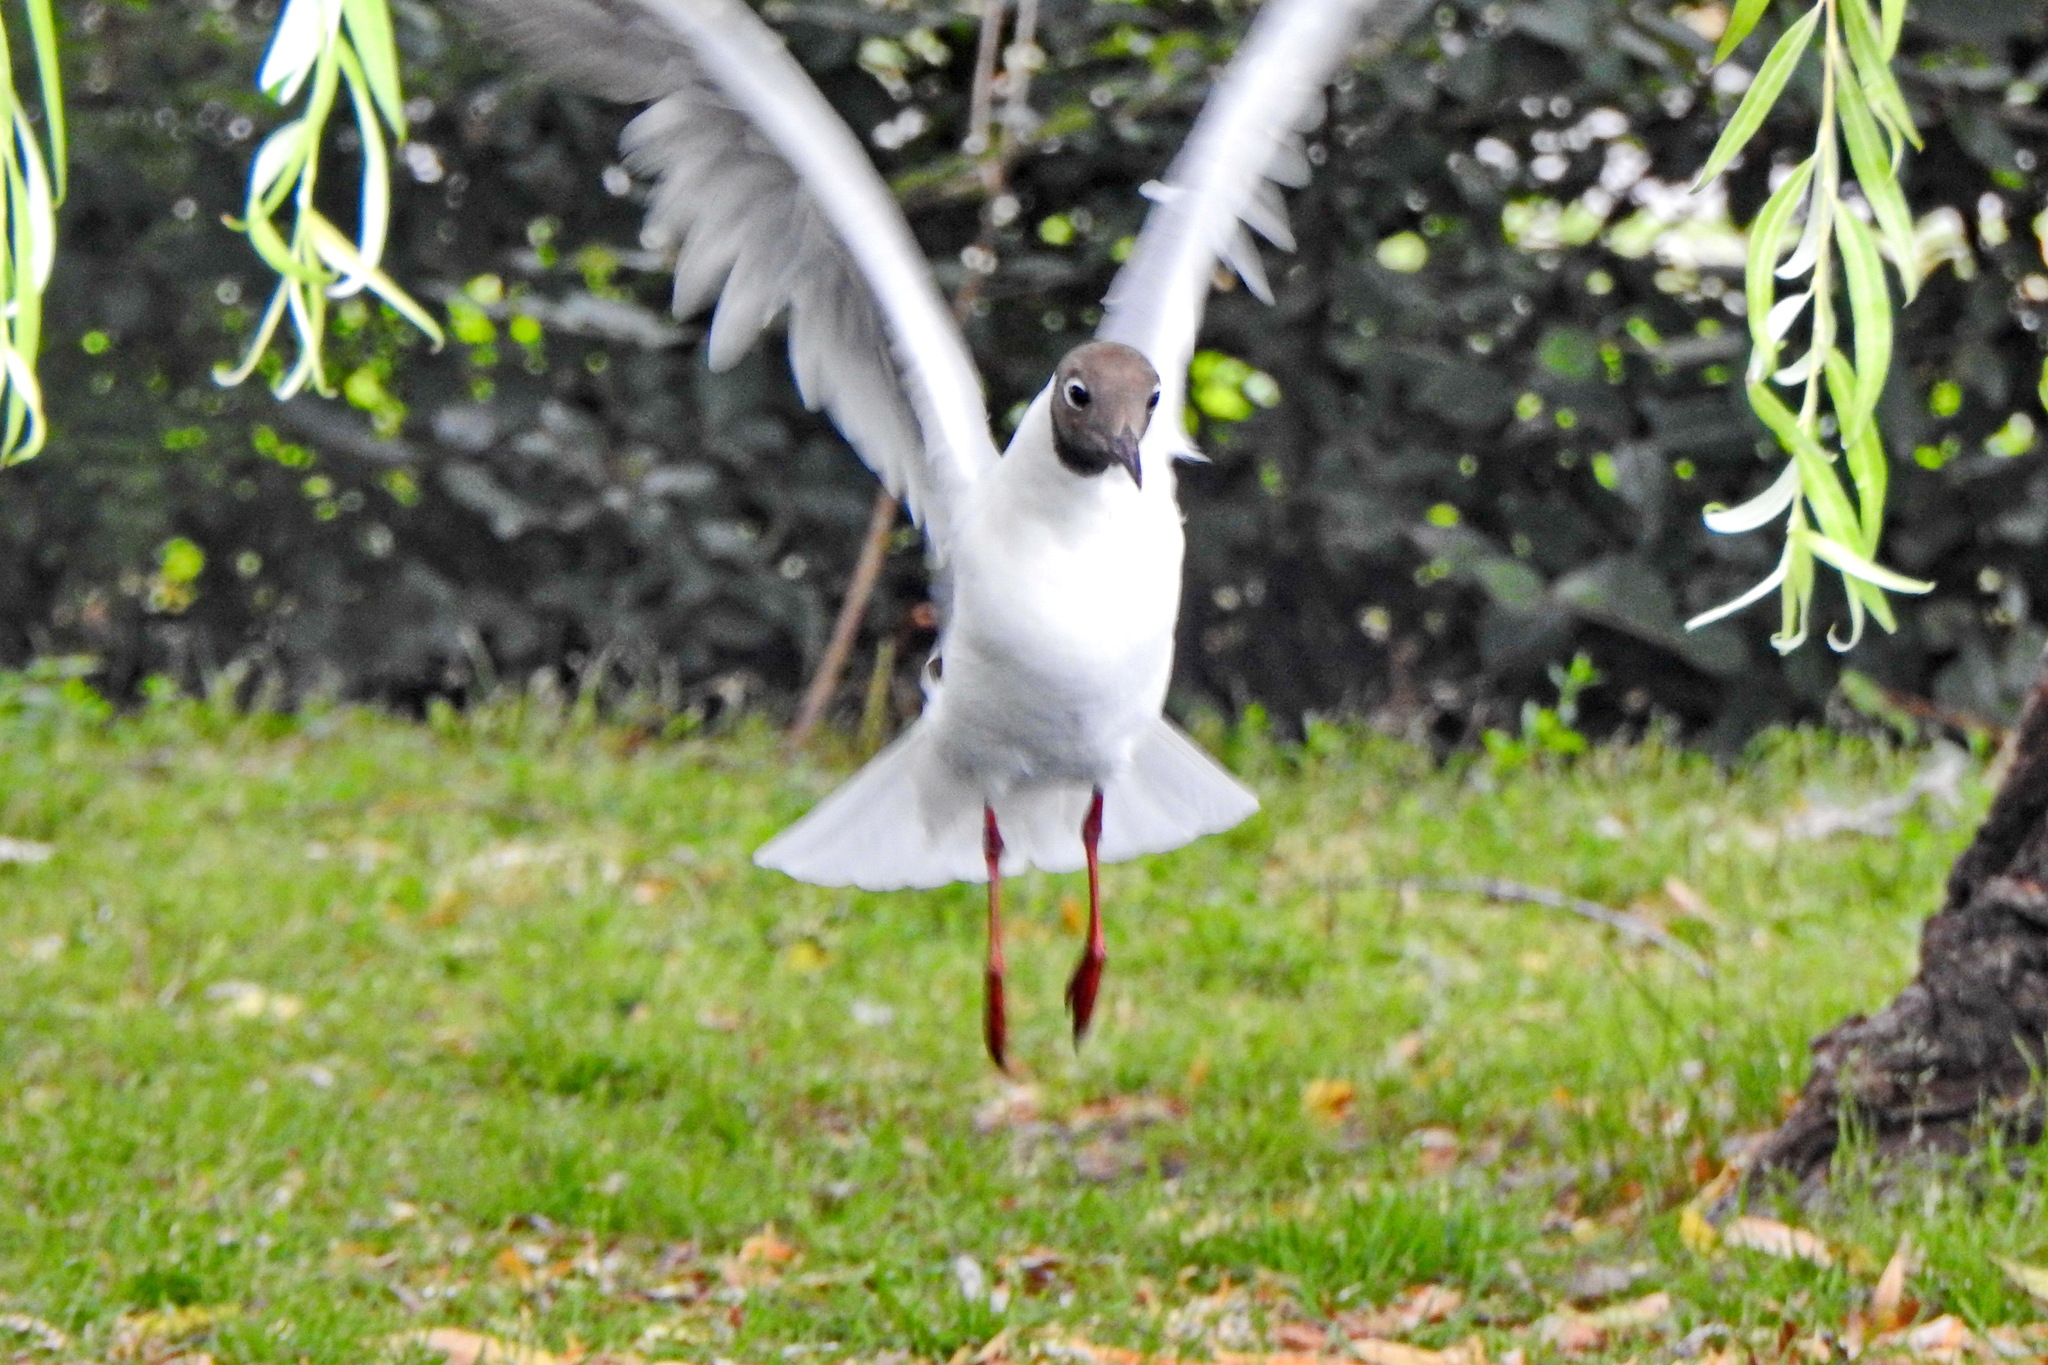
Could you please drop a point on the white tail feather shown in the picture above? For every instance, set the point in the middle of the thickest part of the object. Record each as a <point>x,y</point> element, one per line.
<point>902,821</point>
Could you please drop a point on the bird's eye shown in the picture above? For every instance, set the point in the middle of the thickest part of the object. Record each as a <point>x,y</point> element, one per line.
<point>1077,393</point>
<point>1153,401</point>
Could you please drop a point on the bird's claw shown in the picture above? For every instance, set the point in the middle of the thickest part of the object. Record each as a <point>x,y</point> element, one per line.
<point>995,1029</point>
<point>1081,988</point>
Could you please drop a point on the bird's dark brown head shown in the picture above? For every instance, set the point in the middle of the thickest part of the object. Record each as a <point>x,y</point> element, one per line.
<point>1103,395</point>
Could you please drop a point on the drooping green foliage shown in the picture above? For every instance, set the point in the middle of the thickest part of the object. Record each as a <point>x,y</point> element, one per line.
<point>1508,359</point>
<point>1861,105</point>
<point>32,177</point>
<point>320,48</point>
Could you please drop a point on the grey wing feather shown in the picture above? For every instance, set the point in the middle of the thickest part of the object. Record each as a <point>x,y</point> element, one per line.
<point>772,207</point>
<point>1225,186</point>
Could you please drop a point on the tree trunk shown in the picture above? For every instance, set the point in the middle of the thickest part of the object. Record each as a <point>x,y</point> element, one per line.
<point>1961,1049</point>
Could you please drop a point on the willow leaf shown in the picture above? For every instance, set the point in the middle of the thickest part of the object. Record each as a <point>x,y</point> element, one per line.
<point>1879,180</point>
<point>1770,583</point>
<point>228,376</point>
<point>374,217</point>
<point>1796,597</point>
<point>369,31</point>
<point>338,251</point>
<point>1761,510</point>
<point>1747,12</point>
<point>42,29</point>
<point>1874,71</point>
<point>1766,234</point>
<point>1863,453</point>
<point>1763,92</point>
<point>1860,566</point>
<point>1894,23</point>
<point>1817,480</point>
<point>1871,305</point>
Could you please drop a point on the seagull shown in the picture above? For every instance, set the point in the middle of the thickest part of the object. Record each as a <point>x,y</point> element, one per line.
<point>1042,742</point>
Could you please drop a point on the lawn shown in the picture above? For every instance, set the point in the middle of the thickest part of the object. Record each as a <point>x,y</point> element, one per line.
<point>319,1030</point>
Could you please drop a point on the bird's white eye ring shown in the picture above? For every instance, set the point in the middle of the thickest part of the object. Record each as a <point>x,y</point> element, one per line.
<point>1077,394</point>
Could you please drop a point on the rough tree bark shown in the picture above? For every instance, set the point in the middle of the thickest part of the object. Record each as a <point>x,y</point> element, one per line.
<point>1961,1048</point>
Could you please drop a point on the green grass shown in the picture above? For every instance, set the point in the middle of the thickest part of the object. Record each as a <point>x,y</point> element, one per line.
<point>337,1025</point>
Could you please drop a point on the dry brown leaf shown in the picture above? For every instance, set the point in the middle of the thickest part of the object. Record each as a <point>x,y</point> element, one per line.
<point>1301,1336</point>
<point>718,1020</point>
<point>513,1266</point>
<point>1413,1307</point>
<point>1943,1339</point>
<point>1377,1351</point>
<point>2011,1342</point>
<point>1016,1106</point>
<point>1690,902</point>
<point>1569,1332</point>
<point>2032,1278</point>
<point>1328,1101</point>
<point>1643,1312</point>
<point>1774,1238</point>
<point>1888,1310</point>
<point>1572,1332</point>
<point>459,1346</point>
<point>767,1248</point>
<point>1437,1149</point>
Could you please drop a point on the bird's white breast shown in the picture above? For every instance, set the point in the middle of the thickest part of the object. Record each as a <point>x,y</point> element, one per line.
<point>1060,643</point>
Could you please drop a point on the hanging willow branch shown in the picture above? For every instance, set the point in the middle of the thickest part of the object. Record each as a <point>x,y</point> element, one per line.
<point>322,46</point>
<point>33,167</point>
<point>1862,108</point>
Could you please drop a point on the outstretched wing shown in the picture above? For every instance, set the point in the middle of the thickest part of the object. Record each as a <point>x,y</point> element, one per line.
<point>1225,185</point>
<point>772,204</point>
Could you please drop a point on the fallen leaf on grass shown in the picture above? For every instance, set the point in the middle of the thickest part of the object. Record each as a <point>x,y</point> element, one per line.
<point>1572,1332</point>
<point>1436,1149</point>
<point>766,1247</point>
<point>2032,1278</point>
<point>1594,1283</point>
<point>1699,1236</point>
<point>1471,1351</point>
<point>1015,1107</point>
<point>156,1336</point>
<point>1944,1339</point>
<point>513,1266</point>
<point>247,1000</point>
<point>1414,1307</point>
<point>1890,1309</point>
<point>45,1336</point>
<point>26,851</point>
<point>1372,1352</point>
<point>1328,1101</point>
<point>1774,1238</point>
<point>1690,902</point>
<point>759,1261</point>
<point>2012,1342</point>
<point>1308,1337</point>
<point>462,1347</point>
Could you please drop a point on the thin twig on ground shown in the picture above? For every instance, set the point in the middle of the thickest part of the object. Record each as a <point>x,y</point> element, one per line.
<point>1507,892</point>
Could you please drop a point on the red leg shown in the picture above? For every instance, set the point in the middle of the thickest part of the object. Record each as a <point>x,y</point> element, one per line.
<point>1088,972</point>
<point>994,1023</point>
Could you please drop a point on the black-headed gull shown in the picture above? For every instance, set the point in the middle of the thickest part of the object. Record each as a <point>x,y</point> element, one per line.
<point>1042,742</point>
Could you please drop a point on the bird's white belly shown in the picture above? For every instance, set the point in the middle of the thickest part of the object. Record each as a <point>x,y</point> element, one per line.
<point>1059,651</point>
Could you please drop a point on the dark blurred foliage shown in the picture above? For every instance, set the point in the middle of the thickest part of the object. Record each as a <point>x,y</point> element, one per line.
<point>1485,458</point>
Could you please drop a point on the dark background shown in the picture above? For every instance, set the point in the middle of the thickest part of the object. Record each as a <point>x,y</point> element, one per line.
<point>1475,469</point>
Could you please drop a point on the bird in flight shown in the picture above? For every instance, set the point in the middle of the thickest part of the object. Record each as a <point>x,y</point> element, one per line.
<point>1058,559</point>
